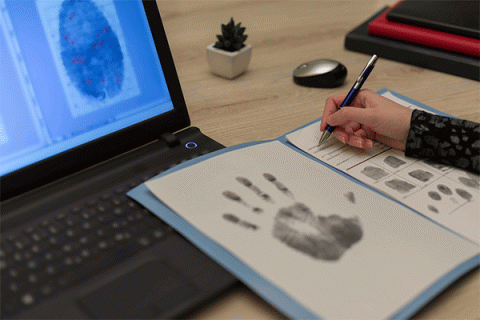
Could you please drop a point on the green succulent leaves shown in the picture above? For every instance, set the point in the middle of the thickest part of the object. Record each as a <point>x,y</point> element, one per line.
<point>232,37</point>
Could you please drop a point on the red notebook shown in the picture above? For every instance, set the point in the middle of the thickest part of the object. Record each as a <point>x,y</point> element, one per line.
<point>428,37</point>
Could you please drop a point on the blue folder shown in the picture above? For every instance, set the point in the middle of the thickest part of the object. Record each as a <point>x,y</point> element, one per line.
<point>268,291</point>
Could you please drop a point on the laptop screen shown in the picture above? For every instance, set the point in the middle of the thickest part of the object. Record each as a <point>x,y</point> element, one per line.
<point>72,72</point>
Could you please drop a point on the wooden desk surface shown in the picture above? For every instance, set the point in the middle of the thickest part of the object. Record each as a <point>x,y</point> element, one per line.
<point>264,103</point>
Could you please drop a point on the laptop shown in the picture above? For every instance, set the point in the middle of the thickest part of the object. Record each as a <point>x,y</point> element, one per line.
<point>90,107</point>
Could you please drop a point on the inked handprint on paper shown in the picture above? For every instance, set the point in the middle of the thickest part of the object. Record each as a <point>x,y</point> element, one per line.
<point>320,237</point>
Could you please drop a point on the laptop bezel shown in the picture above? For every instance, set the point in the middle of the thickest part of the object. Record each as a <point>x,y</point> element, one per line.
<point>114,144</point>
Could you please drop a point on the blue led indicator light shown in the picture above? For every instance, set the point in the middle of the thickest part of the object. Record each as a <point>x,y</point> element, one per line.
<point>190,145</point>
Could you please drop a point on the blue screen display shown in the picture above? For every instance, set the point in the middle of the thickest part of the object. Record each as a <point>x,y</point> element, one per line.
<point>73,71</point>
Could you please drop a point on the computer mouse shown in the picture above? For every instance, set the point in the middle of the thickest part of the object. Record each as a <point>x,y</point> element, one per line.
<point>323,73</point>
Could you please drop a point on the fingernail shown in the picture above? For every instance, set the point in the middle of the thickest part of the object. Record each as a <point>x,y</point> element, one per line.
<point>369,144</point>
<point>354,141</point>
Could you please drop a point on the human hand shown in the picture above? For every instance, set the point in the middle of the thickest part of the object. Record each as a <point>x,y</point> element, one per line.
<point>369,118</point>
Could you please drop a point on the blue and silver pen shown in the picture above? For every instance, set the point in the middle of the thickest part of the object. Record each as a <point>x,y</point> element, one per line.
<point>351,94</point>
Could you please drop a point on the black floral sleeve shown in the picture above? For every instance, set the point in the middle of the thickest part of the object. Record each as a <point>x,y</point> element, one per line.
<point>445,140</point>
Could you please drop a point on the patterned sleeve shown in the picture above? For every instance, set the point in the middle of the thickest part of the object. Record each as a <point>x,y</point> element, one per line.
<point>445,140</point>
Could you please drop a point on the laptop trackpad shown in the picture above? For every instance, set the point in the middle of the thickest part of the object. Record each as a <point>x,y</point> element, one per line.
<point>145,292</point>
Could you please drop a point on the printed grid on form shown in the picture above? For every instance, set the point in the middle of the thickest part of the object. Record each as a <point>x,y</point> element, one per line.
<point>444,194</point>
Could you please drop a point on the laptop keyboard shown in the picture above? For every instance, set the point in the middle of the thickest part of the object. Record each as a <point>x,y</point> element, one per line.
<point>74,244</point>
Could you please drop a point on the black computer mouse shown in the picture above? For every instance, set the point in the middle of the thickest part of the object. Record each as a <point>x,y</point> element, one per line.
<point>323,73</point>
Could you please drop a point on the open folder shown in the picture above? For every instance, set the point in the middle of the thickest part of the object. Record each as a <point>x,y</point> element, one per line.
<point>315,240</point>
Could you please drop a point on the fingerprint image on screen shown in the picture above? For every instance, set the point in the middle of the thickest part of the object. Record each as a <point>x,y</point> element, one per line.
<point>90,49</point>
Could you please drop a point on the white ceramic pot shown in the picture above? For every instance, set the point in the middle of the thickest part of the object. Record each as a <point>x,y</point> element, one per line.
<point>228,64</point>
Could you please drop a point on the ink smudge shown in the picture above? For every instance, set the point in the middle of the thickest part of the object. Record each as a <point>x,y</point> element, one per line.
<point>400,185</point>
<point>421,175</point>
<point>464,194</point>
<point>394,162</point>
<point>469,182</point>
<point>444,189</point>
<point>374,173</point>
<point>350,197</point>
<point>435,195</point>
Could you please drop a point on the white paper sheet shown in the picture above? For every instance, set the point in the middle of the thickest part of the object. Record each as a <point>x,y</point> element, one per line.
<point>338,248</point>
<point>449,196</point>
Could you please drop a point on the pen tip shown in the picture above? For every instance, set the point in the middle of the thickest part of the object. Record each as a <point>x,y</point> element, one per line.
<point>324,137</point>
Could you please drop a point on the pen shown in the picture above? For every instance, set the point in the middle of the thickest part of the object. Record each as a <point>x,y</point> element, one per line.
<point>351,94</point>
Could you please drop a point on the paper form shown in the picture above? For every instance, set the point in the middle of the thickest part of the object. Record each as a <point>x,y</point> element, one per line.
<point>444,194</point>
<point>331,244</point>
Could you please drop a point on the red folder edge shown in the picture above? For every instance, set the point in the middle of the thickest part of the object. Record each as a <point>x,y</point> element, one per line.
<point>428,37</point>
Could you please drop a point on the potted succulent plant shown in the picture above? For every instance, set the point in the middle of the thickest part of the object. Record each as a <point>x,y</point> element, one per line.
<point>229,56</point>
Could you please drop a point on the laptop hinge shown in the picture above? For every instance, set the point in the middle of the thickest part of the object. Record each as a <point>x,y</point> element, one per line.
<point>171,139</point>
